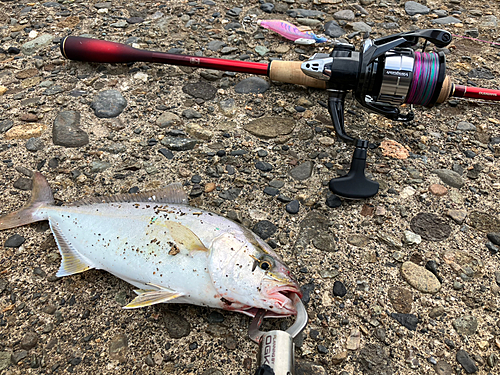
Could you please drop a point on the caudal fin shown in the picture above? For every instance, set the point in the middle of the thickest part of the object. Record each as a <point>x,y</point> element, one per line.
<point>41,196</point>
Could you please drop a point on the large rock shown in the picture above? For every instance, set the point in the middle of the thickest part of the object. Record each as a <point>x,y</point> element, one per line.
<point>333,30</point>
<point>5,360</point>
<point>118,348</point>
<point>360,26</point>
<point>168,119</point>
<point>465,325</point>
<point>252,85</point>
<point>412,8</point>
<point>270,127</point>
<point>108,104</point>
<point>66,130</point>
<point>446,20</point>
<point>303,171</point>
<point>200,90</point>
<point>450,178</point>
<point>466,361</point>
<point>430,227</point>
<point>373,360</point>
<point>346,15</point>
<point>420,278</point>
<point>29,48</point>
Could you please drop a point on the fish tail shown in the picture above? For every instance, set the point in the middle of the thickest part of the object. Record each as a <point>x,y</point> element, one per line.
<point>41,196</point>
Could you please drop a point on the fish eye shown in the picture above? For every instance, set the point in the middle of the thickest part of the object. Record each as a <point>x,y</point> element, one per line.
<point>266,263</point>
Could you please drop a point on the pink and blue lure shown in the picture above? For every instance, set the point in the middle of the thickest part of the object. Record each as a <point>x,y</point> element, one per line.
<point>292,32</point>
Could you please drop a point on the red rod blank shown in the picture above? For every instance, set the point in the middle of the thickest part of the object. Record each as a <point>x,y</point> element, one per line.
<point>476,93</point>
<point>101,51</point>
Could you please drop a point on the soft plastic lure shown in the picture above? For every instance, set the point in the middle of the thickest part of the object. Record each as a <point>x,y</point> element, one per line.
<point>291,32</point>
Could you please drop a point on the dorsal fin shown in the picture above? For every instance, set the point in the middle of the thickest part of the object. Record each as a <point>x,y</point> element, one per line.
<point>173,193</point>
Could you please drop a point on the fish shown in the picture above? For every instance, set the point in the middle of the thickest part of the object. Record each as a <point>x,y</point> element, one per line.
<point>292,32</point>
<point>170,251</point>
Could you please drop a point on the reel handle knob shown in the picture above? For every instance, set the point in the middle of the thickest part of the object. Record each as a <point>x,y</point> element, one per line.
<point>355,185</point>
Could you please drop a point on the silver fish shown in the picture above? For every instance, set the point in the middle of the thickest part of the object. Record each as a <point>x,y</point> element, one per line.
<point>170,251</point>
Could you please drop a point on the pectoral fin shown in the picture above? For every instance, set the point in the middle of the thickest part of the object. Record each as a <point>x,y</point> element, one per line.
<point>185,237</point>
<point>72,262</point>
<point>152,297</point>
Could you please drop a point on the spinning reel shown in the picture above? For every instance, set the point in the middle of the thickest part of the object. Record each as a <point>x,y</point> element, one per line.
<point>385,74</point>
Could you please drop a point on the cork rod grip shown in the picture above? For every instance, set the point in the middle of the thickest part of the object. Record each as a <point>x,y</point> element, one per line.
<point>446,91</point>
<point>290,72</point>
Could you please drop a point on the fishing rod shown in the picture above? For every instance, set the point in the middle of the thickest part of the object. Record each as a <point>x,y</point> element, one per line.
<point>101,51</point>
<point>384,74</point>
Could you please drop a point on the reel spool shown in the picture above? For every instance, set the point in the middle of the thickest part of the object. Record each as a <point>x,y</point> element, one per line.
<point>386,73</point>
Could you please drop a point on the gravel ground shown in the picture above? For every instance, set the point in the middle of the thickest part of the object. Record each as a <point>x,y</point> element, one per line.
<point>406,282</point>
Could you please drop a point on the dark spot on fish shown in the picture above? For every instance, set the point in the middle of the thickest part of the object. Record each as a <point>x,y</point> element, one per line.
<point>174,250</point>
<point>226,302</point>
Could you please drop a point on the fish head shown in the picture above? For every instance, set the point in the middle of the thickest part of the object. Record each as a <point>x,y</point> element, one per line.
<point>248,275</point>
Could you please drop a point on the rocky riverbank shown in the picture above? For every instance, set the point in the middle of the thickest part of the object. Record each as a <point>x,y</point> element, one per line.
<point>406,282</point>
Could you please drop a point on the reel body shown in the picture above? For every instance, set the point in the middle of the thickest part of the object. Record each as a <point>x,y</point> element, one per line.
<point>386,73</point>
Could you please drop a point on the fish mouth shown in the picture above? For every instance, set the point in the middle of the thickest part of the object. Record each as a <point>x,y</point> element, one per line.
<point>283,305</point>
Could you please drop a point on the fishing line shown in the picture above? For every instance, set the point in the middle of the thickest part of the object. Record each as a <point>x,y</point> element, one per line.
<point>425,78</point>
<point>477,40</point>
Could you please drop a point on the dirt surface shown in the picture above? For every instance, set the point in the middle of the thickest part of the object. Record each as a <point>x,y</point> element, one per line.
<point>405,282</point>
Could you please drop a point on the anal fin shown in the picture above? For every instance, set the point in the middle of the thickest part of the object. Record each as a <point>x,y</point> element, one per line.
<point>72,262</point>
<point>152,297</point>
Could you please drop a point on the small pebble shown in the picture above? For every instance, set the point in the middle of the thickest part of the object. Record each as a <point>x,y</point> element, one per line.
<point>339,289</point>
<point>293,207</point>
<point>438,190</point>
<point>466,361</point>
<point>333,201</point>
<point>14,241</point>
